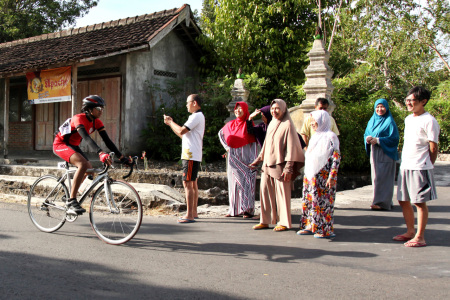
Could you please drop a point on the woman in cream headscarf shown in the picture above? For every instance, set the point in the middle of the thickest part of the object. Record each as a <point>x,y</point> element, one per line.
<point>282,158</point>
<point>319,183</point>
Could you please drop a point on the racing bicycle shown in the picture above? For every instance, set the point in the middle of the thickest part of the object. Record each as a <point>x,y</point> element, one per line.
<point>115,211</point>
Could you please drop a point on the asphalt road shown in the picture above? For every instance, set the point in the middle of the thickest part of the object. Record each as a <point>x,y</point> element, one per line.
<point>222,258</point>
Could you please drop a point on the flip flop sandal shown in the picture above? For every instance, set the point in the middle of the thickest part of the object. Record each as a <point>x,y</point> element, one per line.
<point>322,236</point>
<point>304,232</point>
<point>184,220</point>
<point>401,238</point>
<point>415,244</point>
<point>280,228</point>
<point>260,226</point>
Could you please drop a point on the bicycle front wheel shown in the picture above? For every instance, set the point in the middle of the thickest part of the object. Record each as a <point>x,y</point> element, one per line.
<point>46,205</point>
<point>116,212</point>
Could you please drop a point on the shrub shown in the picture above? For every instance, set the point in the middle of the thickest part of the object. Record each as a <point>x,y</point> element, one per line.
<point>160,140</point>
<point>351,119</point>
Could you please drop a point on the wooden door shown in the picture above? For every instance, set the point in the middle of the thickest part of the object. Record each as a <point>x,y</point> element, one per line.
<point>45,115</point>
<point>65,111</point>
<point>108,89</point>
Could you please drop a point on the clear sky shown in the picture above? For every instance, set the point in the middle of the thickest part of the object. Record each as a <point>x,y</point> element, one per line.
<point>108,10</point>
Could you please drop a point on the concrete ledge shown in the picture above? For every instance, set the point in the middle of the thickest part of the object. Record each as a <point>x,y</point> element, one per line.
<point>173,179</point>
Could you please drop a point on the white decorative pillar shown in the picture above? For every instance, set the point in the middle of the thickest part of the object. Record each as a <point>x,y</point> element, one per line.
<point>318,78</point>
<point>239,94</point>
<point>317,85</point>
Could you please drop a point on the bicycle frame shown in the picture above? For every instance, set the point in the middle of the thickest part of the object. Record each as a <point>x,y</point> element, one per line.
<point>115,210</point>
<point>102,176</point>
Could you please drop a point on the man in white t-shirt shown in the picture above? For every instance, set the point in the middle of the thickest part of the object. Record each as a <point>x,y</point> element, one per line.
<point>415,181</point>
<point>191,134</point>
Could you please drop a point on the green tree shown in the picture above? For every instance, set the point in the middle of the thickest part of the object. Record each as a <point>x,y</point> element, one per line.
<point>431,24</point>
<point>376,50</point>
<point>381,49</point>
<point>26,18</point>
<point>268,37</point>
<point>207,13</point>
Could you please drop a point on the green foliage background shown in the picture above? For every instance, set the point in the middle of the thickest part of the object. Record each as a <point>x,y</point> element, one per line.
<point>380,49</point>
<point>26,18</point>
<point>163,144</point>
<point>270,38</point>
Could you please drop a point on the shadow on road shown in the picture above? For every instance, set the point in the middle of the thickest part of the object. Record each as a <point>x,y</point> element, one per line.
<point>26,276</point>
<point>276,253</point>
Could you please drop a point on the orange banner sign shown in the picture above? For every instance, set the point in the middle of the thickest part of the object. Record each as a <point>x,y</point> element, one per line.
<point>50,85</point>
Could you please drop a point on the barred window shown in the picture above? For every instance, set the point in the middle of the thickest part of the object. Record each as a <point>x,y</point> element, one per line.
<point>165,73</point>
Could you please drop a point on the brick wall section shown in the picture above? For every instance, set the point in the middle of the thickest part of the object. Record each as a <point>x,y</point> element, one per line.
<point>21,136</point>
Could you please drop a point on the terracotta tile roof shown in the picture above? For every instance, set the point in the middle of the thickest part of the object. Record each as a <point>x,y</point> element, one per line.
<point>75,44</point>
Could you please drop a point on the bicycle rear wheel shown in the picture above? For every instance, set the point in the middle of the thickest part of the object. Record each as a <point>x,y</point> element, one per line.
<point>118,220</point>
<point>46,205</point>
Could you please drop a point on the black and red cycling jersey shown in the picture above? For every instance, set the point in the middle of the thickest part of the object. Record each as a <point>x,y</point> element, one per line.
<point>74,138</point>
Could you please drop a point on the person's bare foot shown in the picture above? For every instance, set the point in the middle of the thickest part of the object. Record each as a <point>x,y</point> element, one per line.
<point>416,239</point>
<point>414,244</point>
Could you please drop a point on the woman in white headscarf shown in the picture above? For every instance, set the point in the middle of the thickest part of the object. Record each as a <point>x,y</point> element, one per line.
<point>319,183</point>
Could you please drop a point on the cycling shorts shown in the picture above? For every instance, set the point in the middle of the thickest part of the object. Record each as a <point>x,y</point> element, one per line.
<point>66,151</point>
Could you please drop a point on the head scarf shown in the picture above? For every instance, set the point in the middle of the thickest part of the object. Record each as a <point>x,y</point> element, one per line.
<point>321,146</point>
<point>235,131</point>
<point>282,143</point>
<point>261,134</point>
<point>265,110</point>
<point>384,128</point>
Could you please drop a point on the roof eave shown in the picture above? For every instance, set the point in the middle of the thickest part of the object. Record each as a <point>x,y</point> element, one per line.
<point>74,62</point>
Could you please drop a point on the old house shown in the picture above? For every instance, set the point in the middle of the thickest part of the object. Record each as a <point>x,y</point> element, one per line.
<point>117,60</point>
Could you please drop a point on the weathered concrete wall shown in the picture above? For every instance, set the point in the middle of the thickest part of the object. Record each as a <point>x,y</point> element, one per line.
<point>2,113</point>
<point>140,102</point>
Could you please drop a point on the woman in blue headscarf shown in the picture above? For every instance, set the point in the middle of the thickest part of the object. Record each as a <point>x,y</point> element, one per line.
<point>381,142</point>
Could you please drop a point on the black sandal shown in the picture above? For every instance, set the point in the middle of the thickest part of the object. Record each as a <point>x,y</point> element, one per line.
<point>247,215</point>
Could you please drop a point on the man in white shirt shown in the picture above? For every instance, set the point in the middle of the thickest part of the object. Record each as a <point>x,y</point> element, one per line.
<point>191,134</point>
<point>415,181</point>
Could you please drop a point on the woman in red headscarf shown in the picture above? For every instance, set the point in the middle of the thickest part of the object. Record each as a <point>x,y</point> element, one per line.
<point>241,151</point>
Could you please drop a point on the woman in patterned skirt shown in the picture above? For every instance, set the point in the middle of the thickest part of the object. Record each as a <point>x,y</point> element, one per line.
<point>241,151</point>
<point>319,183</point>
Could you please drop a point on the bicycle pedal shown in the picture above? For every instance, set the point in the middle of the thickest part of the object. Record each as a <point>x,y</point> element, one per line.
<point>70,211</point>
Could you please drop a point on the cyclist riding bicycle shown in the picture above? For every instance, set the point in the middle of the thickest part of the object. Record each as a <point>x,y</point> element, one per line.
<point>69,137</point>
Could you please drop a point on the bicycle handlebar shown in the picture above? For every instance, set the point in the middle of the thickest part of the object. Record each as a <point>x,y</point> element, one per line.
<point>133,163</point>
<point>106,166</point>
